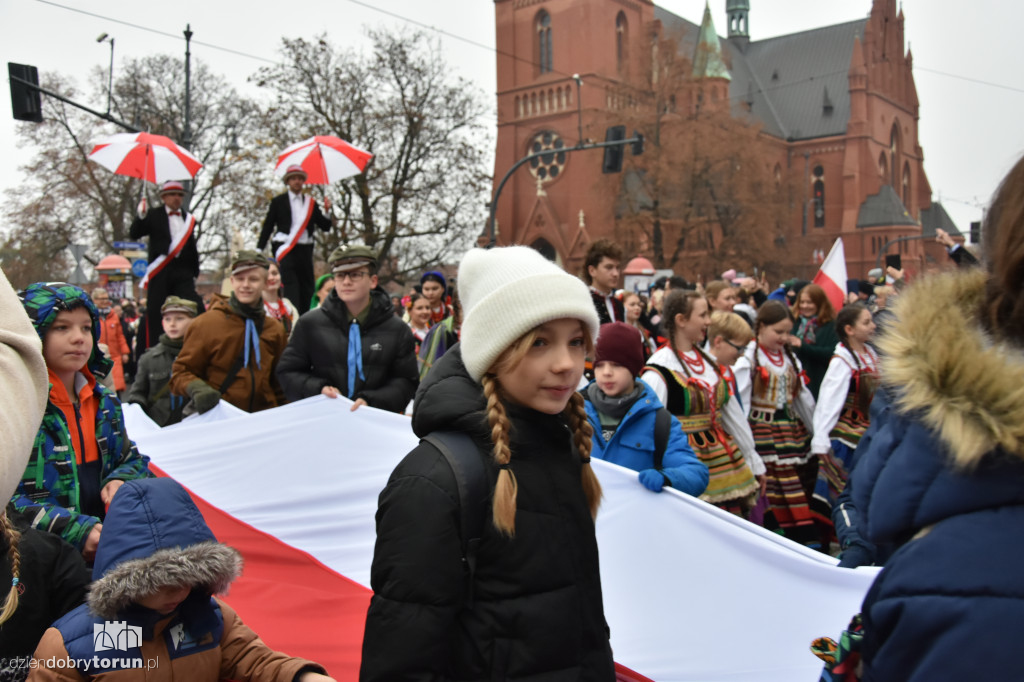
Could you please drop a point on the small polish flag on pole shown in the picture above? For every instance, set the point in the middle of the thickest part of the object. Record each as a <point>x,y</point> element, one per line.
<point>832,275</point>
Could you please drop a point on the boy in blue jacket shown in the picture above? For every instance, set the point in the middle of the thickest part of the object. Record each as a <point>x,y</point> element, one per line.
<point>625,415</point>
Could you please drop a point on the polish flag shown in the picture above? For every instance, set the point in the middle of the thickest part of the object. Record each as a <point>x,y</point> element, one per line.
<point>832,275</point>
<point>298,502</point>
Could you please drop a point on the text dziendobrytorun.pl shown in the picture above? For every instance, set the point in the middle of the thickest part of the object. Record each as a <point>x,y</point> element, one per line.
<point>96,662</point>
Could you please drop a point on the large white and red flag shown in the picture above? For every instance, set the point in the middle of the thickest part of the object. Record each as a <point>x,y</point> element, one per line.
<point>687,587</point>
<point>831,275</point>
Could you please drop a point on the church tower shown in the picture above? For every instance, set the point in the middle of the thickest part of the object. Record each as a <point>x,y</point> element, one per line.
<point>552,202</point>
<point>710,74</point>
<point>738,12</point>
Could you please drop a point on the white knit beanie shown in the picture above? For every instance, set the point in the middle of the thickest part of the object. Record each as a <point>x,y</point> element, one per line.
<point>508,291</point>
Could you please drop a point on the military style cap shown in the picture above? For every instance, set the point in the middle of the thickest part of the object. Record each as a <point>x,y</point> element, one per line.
<point>176,304</point>
<point>246,260</point>
<point>345,258</point>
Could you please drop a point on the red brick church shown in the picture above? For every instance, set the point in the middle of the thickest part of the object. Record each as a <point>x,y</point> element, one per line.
<point>836,105</point>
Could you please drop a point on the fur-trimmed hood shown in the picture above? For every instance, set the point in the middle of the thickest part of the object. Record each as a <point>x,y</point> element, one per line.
<point>947,425</point>
<point>940,365</point>
<point>154,536</point>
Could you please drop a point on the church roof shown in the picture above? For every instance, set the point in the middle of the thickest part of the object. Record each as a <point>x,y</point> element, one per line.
<point>884,209</point>
<point>707,59</point>
<point>936,216</point>
<point>796,86</point>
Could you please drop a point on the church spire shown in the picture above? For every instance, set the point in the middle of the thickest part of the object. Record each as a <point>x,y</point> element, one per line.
<point>738,11</point>
<point>707,61</point>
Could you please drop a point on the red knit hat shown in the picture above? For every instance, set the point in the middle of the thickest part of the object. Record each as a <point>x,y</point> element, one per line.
<point>622,344</point>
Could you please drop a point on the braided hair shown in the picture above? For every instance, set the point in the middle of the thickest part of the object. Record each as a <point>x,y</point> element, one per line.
<point>773,312</point>
<point>503,507</point>
<point>13,537</point>
<point>848,317</point>
<point>680,302</point>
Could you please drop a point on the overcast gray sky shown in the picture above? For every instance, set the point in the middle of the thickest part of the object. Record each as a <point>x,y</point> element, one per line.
<point>966,58</point>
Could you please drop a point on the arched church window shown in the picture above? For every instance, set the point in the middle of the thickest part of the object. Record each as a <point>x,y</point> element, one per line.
<point>894,151</point>
<point>621,41</point>
<point>819,196</point>
<point>906,185</point>
<point>883,167</point>
<point>544,42</point>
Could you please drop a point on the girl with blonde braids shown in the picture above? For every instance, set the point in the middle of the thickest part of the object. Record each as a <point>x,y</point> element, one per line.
<point>45,578</point>
<point>531,606</point>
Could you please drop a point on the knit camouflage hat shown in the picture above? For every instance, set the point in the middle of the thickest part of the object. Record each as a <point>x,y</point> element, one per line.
<point>246,260</point>
<point>43,301</point>
<point>350,257</point>
<point>176,304</point>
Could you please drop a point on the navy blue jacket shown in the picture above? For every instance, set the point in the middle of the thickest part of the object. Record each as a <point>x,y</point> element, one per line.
<point>942,479</point>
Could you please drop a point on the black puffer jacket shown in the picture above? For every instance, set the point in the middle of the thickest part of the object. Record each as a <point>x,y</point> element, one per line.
<point>317,354</point>
<point>537,611</point>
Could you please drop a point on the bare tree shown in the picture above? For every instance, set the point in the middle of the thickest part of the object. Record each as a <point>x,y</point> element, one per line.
<point>66,198</point>
<point>421,199</point>
<point>705,195</point>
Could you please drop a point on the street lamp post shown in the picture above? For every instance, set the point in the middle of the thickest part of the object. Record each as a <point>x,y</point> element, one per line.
<point>110,76</point>
<point>186,133</point>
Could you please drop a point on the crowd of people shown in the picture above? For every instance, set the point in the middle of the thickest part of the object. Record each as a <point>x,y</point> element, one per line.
<point>900,449</point>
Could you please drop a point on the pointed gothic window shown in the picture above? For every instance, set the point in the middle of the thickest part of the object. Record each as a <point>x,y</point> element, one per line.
<point>621,41</point>
<point>544,41</point>
<point>906,185</point>
<point>883,167</point>
<point>894,153</point>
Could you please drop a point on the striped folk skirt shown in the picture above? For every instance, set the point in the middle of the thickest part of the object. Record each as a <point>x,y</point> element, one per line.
<point>731,484</point>
<point>785,446</point>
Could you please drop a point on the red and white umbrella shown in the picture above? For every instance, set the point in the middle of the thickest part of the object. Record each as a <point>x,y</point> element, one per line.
<point>325,158</point>
<point>155,158</point>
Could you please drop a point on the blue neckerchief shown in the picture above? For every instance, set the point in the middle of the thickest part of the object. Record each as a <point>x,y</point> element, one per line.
<point>355,357</point>
<point>252,342</point>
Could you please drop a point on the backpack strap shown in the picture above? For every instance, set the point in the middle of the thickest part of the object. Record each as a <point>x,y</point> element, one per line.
<point>232,374</point>
<point>467,465</point>
<point>662,430</point>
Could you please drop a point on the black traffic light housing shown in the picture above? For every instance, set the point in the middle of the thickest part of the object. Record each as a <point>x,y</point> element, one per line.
<point>976,232</point>
<point>26,103</point>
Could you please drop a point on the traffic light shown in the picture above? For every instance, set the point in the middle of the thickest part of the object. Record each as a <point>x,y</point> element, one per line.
<point>26,104</point>
<point>976,232</point>
<point>613,155</point>
<point>638,146</point>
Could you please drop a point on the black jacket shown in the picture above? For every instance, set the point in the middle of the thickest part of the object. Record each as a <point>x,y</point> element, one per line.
<point>54,579</point>
<point>602,309</point>
<point>279,219</point>
<point>156,227</point>
<point>317,354</point>
<point>537,610</point>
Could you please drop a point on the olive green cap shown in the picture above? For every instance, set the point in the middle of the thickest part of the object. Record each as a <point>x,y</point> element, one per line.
<point>345,258</point>
<point>176,304</point>
<point>246,260</point>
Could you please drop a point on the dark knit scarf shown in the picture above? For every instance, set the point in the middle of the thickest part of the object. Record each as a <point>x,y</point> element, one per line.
<point>614,407</point>
<point>173,344</point>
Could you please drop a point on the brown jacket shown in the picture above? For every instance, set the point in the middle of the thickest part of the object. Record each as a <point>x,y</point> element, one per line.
<point>214,341</point>
<point>242,655</point>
